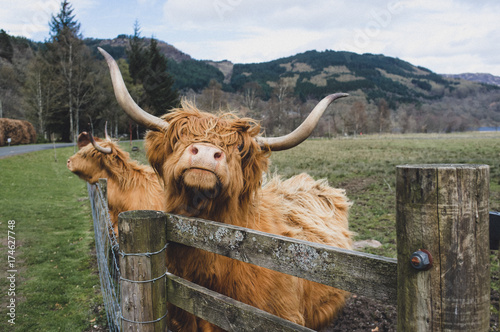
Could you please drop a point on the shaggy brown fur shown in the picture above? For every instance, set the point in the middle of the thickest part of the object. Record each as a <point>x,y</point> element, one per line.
<point>231,191</point>
<point>131,186</point>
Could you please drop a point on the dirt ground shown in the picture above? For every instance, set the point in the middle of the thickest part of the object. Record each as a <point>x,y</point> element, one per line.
<point>362,314</point>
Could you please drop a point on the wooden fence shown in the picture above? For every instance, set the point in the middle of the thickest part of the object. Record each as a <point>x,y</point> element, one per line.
<point>440,281</point>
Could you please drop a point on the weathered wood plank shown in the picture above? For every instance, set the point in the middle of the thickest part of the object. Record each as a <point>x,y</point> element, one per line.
<point>443,209</point>
<point>103,183</point>
<point>364,274</point>
<point>223,311</point>
<point>142,281</point>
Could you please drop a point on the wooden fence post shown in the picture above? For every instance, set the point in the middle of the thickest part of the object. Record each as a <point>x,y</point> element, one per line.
<point>103,183</point>
<point>444,210</point>
<point>143,266</point>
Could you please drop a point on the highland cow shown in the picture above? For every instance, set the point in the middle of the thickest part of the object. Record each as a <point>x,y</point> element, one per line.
<point>211,167</point>
<point>131,186</point>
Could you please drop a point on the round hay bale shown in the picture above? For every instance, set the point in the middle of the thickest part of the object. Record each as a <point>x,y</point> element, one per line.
<point>31,132</point>
<point>28,131</point>
<point>19,131</point>
<point>2,140</point>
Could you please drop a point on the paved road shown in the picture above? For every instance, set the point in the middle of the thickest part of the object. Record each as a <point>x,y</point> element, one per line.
<point>8,151</point>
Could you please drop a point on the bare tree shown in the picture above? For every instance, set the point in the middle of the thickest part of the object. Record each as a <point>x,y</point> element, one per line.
<point>383,116</point>
<point>211,98</point>
<point>84,85</point>
<point>358,117</point>
<point>281,93</point>
<point>39,93</point>
<point>251,93</point>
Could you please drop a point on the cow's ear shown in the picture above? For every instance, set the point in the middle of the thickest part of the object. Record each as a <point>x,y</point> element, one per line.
<point>254,164</point>
<point>83,140</point>
<point>156,150</point>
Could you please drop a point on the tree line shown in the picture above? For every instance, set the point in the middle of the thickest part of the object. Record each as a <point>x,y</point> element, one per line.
<point>281,110</point>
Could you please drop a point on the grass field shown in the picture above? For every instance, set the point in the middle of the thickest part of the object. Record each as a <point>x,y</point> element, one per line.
<point>57,287</point>
<point>366,168</point>
<point>56,283</point>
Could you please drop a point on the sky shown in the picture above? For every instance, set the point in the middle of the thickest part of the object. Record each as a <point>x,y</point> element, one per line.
<point>445,36</point>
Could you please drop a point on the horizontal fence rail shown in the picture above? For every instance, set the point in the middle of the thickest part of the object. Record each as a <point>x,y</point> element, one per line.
<point>364,274</point>
<point>224,311</point>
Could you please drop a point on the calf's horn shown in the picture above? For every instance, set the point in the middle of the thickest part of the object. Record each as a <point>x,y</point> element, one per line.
<point>106,132</point>
<point>125,100</point>
<point>303,131</point>
<point>97,146</point>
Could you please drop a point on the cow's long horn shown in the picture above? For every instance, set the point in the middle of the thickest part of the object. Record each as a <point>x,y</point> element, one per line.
<point>106,132</point>
<point>303,131</point>
<point>125,100</point>
<point>97,146</point>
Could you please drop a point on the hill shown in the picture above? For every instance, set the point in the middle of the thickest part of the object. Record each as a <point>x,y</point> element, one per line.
<point>117,46</point>
<point>313,74</point>
<point>476,77</point>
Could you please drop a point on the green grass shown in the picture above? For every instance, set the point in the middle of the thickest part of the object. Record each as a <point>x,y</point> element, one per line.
<point>57,284</point>
<point>366,168</point>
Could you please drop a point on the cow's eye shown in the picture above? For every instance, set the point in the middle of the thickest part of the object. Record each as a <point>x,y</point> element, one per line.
<point>240,147</point>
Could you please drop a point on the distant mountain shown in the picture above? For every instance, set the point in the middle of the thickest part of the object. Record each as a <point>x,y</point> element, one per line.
<point>477,77</point>
<point>374,76</point>
<point>314,74</point>
<point>117,46</point>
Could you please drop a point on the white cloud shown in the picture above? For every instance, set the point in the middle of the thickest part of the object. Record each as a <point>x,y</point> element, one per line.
<point>454,37</point>
<point>29,21</point>
<point>147,2</point>
<point>256,31</point>
<point>239,15</point>
<point>260,45</point>
<point>30,18</point>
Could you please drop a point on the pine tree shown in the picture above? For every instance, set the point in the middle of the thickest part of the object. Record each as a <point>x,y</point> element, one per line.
<point>71,72</point>
<point>6,49</point>
<point>136,55</point>
<point>64,25</point>
<point>148,68</point>
<point>62,50</point>
<point>158,84</point>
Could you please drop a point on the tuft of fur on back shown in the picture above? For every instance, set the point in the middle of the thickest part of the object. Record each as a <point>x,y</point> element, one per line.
<point>313,210</point>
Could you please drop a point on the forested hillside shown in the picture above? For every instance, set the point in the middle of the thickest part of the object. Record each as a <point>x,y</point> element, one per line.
<point>314,74</point>
<point>15,54</point>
